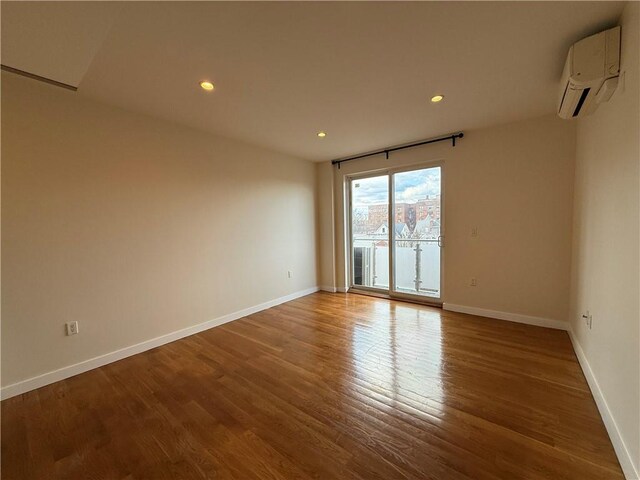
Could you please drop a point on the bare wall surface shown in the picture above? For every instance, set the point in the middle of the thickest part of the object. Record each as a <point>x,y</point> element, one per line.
<point>606,278</point>
<point>326,240</point>
<point>515,184</point>
<point>135,227</point>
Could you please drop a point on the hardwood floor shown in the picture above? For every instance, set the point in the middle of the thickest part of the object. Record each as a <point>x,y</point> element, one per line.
<point>329,386</point>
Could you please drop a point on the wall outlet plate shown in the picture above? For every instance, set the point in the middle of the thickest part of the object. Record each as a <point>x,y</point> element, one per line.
<point>72,328</point>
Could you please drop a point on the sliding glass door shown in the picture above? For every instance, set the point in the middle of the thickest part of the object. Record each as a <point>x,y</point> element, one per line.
<point>370,232</point>
<point>396,233</point>
<point>417,240</point>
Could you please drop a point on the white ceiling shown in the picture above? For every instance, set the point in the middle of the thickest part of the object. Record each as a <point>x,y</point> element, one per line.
<point>361,71</point>
<point>56,40</point>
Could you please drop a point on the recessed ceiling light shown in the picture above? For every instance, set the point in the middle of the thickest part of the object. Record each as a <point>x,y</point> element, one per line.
<point>437,98</point>
<point>322,134</point>
<point>207,85</point>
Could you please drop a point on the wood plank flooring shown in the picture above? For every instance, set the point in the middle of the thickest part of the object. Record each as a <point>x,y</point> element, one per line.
<point>329,386</point>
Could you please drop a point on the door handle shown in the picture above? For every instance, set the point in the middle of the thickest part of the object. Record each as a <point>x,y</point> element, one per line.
<point>440,241</point>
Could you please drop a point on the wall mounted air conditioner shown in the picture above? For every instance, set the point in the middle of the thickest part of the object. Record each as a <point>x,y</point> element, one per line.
<point>590,73</point>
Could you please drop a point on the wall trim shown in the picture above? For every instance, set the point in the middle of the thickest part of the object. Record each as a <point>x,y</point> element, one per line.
<point>101,360</point>
<point>622,452</point>
<point>511,317</point>
<point>325,288</point>
<point>334,289</point>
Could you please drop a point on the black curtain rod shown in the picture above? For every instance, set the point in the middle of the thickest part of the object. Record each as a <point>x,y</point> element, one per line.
<point>388,150</point>
<point>33,76</point>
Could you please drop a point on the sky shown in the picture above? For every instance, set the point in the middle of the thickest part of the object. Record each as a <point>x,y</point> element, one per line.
<point>410,187</point>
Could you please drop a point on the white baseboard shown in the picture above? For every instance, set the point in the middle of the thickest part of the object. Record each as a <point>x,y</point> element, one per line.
<point>624,457</point>
<point>334,289</point>
<point>328,289</point>
<point>71,370</point>
<point>512,317</point>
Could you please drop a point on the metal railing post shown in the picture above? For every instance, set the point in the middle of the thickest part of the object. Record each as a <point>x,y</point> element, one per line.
<point>418,281</point>
<point>373,262</point>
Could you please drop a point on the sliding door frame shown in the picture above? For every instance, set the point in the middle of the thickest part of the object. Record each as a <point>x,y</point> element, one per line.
<point>391,292</point>
<point>350,179</point>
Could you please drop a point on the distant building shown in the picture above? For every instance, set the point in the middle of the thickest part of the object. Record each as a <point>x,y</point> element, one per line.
<point>427,228</point>
<point>408,214</point>
<point>382,229</point>
<point>401,230</point>
<point>377,215</point>
<point>429,207</point>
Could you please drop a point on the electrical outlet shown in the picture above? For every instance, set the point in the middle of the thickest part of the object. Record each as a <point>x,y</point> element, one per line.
<point>72,328</point>
<point>289,274</point>
<point>474,232</point>
<point>588,319</point>
<point>474,282</point>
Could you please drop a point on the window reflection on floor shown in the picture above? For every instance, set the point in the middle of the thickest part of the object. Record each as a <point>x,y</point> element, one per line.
<point>399,354</point>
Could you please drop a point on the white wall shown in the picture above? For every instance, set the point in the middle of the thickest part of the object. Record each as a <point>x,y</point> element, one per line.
<point>326,235</point>
<point>515,183</point>
<point>135,227</point>
<point>605,249</point>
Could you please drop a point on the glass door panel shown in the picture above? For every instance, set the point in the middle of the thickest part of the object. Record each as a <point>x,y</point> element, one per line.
<point>370,232</point>
<point>416,232</point>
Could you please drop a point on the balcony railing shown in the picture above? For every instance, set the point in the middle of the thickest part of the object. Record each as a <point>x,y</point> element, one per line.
<point>417,264</point>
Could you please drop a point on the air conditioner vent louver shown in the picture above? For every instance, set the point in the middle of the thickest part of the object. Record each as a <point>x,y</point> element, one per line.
<point>583,97</point>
